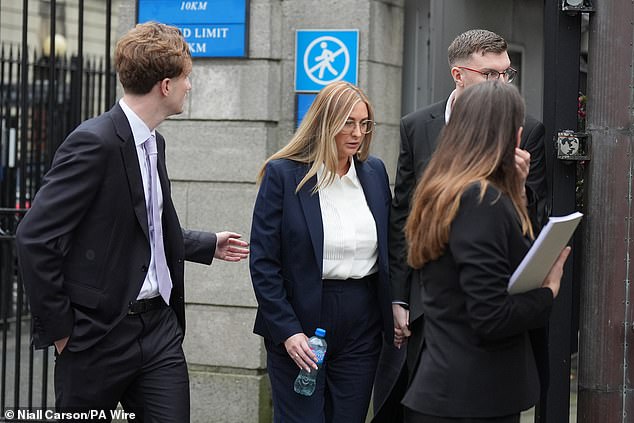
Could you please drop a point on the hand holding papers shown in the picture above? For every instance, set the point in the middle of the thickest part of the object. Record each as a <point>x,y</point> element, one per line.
<point>536,264</point>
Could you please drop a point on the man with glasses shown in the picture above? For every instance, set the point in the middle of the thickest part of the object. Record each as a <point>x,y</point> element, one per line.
<point>474,57</point>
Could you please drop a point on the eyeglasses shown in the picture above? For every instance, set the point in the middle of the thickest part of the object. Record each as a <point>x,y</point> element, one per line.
<point>508,75</point>
<point>365,126</point>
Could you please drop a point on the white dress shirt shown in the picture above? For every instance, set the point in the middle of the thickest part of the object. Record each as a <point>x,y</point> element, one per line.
<point>141,133</point>
<point>449,106</point>
<point>350,239</point>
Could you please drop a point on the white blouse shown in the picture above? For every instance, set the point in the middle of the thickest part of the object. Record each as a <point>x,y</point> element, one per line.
<point>350,240</point>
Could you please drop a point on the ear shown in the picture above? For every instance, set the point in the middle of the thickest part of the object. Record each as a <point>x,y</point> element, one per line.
<point>519,136</point>
<point>165,86</point>
<point>456,74</point>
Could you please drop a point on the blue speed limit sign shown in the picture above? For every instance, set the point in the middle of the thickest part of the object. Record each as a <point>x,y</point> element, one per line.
<point>323,56</point>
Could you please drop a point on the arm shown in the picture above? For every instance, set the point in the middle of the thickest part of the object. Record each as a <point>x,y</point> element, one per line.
<point>42,237</point>
<point>536,184</point>
<point>404,186</point>
<point>265,262</point>
<point>203,247</point>
<point>399,270</point>
<point>479,243</point>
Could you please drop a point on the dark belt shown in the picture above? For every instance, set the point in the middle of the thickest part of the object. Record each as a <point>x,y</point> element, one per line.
<point>145,305</point>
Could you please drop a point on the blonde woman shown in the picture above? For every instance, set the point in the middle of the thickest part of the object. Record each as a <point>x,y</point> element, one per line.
<point>467,232</point>
<point>319,259</point>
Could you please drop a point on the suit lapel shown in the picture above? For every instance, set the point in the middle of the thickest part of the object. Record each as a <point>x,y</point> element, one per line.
<point>131,162</point>
<point>373,196</point>
<point>312,214</point>
<point>435,126</point>
<point>162,168</point>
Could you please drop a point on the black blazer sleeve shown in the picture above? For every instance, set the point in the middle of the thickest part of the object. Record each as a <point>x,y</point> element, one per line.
<point>536,184</point>
<point>404,185</point>
<point>42,238</point>
<point>200,247</point>
<point>479,244</point>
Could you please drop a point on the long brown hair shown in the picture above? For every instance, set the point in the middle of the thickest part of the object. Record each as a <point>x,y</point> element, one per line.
<point>476,146</point>
<point>314,141</point>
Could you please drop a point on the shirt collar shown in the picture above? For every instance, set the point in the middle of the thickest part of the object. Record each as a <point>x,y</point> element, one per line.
<point>140,130</point>
<point>351,175</point>
<point>449,106</point>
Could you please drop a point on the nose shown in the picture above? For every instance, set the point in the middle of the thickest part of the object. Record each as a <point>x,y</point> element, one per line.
<point>357,129</point>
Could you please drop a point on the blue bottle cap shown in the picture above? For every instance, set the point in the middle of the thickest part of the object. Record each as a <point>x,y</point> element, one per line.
<point>320,332</point>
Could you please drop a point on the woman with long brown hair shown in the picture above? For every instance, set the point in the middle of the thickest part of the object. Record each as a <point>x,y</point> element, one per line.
<point>467,232</point>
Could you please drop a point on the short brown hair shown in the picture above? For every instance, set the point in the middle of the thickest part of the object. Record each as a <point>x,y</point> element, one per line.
<point>149,53</point>
<point>475,41</point>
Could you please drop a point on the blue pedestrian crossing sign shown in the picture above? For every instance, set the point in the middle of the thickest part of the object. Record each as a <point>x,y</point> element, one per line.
<point>324,56</point>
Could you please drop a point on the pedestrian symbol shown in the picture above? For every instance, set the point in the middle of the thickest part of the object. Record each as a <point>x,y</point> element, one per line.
<point>326,60</point>
<point>323,57</point>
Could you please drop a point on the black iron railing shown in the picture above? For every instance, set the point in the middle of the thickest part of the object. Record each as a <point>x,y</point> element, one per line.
<point>42,99</point>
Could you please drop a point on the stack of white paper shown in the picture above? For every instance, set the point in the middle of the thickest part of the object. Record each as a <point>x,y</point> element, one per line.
<point>532,271</point>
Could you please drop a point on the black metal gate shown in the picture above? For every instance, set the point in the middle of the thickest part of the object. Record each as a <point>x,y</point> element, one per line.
<point>42,98</point>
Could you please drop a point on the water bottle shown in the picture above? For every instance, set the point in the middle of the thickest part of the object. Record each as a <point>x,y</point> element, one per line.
<point>305,382</point>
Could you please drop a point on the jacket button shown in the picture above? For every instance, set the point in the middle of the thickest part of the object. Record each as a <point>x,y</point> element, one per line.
<point>144,268</point>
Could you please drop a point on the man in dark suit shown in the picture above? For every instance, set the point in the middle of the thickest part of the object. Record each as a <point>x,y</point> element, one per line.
<point>474,56</point>
<point>101,250</point>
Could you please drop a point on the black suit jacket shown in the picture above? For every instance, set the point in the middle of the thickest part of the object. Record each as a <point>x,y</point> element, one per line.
<point>477,359</point>
<point>286,252</point>
<point>420,132</point>
<point>83,247</point>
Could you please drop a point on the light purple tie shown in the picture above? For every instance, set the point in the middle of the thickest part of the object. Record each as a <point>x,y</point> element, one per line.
<point>156,228</point>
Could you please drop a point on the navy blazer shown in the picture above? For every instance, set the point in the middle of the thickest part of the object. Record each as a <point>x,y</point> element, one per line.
<point>84,247</point>
<point>287,237</point>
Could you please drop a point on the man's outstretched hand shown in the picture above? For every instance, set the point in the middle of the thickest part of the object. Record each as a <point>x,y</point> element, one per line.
<point>230,247</point>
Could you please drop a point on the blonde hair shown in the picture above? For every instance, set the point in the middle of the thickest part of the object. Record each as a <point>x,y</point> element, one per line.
<point>476,146</point>
<point>314,141</point>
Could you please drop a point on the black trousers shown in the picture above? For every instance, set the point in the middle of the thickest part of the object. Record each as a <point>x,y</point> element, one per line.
<point>351,316</point>
<point>415,417</point>
<point>140,363</point>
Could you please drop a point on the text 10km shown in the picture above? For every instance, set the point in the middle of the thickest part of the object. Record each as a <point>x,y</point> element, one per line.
<point>193,5</point>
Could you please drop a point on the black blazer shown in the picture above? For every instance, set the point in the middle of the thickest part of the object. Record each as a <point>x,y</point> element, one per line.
<point>420,133</point>
<point>286,252</point>
<point>83,246</point>
<point>477,359</point>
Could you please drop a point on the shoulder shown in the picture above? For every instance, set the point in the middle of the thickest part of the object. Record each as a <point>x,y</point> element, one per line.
<point>374,163</point>
<point>531,122</point>
<point>284,164</point>
<point>283,168</point>
<point>532,127</point>
<point>425,114</point>
<point>104,127</point>
<point>95,134</point>
<point>488,212</point>
<point>491,198</point>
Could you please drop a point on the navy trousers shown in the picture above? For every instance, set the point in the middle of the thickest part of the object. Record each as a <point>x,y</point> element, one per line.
<point>351,316</point>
